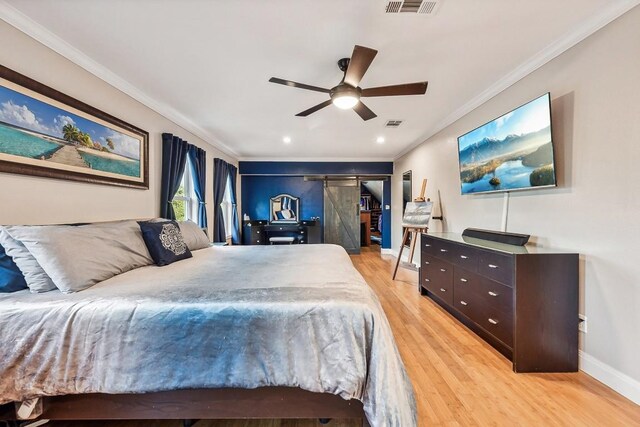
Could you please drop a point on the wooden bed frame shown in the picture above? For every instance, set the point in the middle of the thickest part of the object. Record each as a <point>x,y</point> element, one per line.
<point>225,403</point>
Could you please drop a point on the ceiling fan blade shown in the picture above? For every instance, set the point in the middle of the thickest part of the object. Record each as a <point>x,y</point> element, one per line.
<point>364,111</point>
<point>360,60</point>
<point>312,110</point>
<point>405,89</point>
<point>298,85</point>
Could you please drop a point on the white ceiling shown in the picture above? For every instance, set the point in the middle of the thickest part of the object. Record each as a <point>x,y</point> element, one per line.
<point>205,64</point>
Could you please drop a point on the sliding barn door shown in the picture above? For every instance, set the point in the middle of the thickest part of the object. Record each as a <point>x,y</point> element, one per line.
<point>342,214</point>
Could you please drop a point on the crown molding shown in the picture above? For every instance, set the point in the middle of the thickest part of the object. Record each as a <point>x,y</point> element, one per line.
<point>33,29</point>
<point>555,49</point>
<point>315,159</point>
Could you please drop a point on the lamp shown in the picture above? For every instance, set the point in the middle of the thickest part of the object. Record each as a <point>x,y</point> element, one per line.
<point>344,96</point>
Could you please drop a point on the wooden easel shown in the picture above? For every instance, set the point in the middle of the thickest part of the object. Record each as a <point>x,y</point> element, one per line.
<point>414,233</point>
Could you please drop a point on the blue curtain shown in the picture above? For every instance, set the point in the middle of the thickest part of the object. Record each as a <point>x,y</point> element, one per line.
<point>220,174</point>
<point>174,159</point>
<point>198,159</point>
<point>235,231</point>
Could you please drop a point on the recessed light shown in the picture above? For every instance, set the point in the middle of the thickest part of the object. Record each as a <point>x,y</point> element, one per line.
<point>286,140</point>
<point>380,140</point>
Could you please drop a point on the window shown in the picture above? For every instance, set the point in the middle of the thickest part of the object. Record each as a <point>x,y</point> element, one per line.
<point>227,210</point>
<point>185,202</point>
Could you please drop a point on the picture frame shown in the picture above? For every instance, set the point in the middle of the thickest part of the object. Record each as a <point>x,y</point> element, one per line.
<point>45,133</point>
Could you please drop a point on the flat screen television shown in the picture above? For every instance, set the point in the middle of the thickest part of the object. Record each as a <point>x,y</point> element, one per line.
<point>512,152</point>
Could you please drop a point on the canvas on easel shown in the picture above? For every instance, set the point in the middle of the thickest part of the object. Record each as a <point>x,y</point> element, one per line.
<point>416,220</point>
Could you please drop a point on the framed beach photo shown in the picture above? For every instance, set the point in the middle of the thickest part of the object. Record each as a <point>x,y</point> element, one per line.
<point>46,133</point>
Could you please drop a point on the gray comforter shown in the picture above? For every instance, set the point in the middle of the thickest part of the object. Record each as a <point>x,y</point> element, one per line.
<point>248,317</point>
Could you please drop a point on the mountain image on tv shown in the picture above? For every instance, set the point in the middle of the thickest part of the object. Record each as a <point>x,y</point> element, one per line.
<point>512,152</point>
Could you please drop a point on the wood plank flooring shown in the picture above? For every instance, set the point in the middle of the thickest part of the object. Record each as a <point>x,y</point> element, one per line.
<point>459,380</point>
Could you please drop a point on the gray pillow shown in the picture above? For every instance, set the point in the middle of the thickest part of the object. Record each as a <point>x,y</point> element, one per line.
<point>36,278</point>
<point>78,257</point>
<point>193,235</point>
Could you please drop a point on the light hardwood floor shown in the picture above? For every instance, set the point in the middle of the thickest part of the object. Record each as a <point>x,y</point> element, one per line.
<point>459,380</point>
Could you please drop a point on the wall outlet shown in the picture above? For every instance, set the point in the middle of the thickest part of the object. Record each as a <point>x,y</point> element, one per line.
<point>582,325</point>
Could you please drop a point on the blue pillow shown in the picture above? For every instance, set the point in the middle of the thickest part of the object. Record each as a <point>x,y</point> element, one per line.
<point>11,278</point>
<point>164,241</point>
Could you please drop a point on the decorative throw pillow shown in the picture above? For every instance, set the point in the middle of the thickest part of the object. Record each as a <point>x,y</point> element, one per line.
<point>77,257</point>
<point>164,241</point>
<point>193,235</point>
<point>34,275</point>
<point>11,278</point>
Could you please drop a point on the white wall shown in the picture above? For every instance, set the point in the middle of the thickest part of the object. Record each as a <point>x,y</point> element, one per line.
<point>595,90</point>
<point>32,200</point>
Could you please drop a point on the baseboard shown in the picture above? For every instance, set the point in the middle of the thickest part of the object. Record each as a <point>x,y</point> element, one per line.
<point>611,377</point>
<point>405,255</point>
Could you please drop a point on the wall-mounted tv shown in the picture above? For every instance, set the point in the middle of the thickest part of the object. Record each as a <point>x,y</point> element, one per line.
<point>512,152</point>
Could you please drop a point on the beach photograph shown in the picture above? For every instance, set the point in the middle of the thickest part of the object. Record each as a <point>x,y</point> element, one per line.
<point>49,136</point>
<point>512,152</point>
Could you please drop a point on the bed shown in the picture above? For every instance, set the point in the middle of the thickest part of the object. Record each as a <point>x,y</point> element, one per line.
<point>234,332</point>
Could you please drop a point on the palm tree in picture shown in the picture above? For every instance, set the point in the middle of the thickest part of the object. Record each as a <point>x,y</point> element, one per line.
<point>71,133</point>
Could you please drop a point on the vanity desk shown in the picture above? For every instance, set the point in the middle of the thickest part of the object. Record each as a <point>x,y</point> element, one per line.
<point>522,300</point>
<point>258,232</point>
<point>285,224</point>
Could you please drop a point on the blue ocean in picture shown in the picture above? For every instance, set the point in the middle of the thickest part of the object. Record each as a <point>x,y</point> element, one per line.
<point>512,174</point>
<point>123,167</point>
<point>18,143</point>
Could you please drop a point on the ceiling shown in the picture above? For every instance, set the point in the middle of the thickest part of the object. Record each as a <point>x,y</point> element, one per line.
<point>206,64</point>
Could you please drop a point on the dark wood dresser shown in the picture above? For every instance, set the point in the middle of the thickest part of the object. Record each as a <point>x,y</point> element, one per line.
<point>521,300</point>
<point>257,232</point>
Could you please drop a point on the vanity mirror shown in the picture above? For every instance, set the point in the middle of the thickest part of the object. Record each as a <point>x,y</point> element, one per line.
<point>284,209</point>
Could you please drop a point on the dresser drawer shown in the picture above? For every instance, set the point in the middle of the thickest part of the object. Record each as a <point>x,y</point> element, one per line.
<point>495,295</point>
<point>496,266</point>
<point>466,257</point>
<point>464,279</point>
<point>492,320</point>
<point>439,248</point>
<point>437,277</point>
<point>497,323</point>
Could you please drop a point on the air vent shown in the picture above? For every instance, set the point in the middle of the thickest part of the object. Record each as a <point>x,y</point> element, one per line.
<point>422,7</point>
<point>393,123</point>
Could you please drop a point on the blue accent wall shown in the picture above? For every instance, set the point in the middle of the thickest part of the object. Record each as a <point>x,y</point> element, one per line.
<point>263,180</point>
<point>256,191</point>
<point>386,214</point>
<point>315,168</point>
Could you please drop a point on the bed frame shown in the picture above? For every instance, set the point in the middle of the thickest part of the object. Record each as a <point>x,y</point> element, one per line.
<point>225,403</point>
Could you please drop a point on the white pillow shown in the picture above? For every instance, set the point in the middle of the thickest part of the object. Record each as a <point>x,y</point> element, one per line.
<point>36,278</point>
<point>193,235</point>
<point>77,257</point>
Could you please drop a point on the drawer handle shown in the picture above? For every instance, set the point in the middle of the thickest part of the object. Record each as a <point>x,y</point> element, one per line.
<point>493,266</point>
<point>443,290</point>
<point>463,303</point>
<point>427,280</point>
<point>493,294</point>
<point>427,262</point>
<point>443,250</point>
<point>302,232</point>
<point>258,231</point>
<point>493,322</point>
<point>464,256</point>
<point>427,246</point>
<point>462,279</point>
<point>443,270</point>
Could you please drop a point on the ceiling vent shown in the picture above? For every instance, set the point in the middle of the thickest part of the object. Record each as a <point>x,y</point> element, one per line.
<point>393,123</point>
<point>423,7</point>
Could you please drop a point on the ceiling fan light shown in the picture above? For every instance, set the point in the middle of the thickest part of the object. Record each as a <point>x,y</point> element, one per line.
<point>345,101</point>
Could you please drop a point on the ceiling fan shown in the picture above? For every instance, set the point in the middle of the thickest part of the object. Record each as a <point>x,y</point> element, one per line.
<point>347,93</point>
